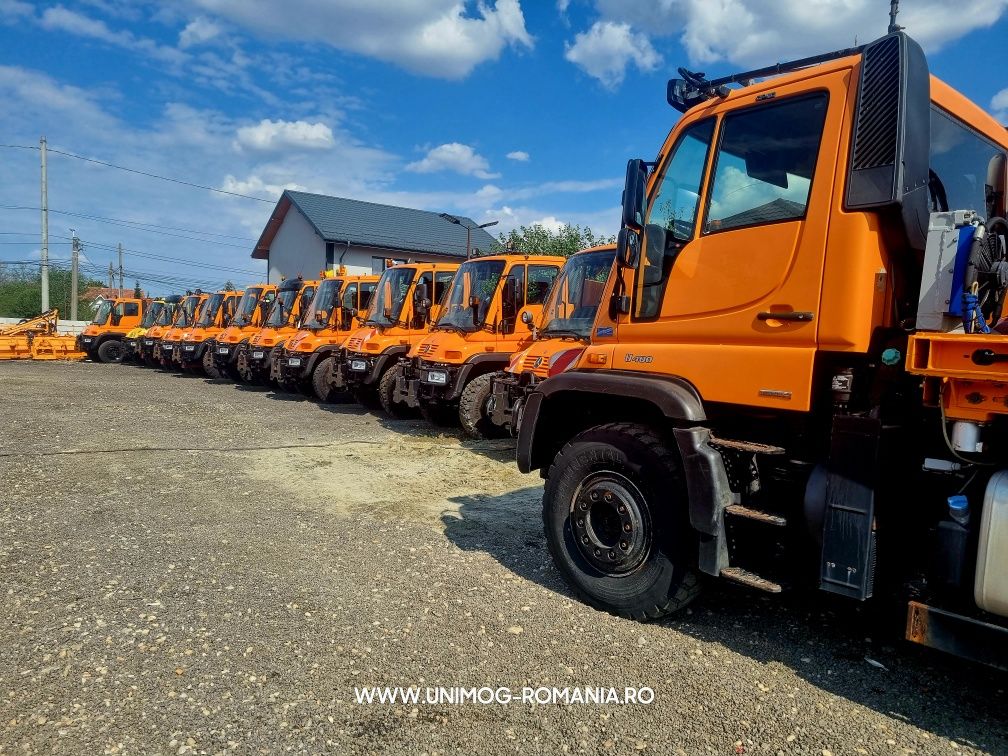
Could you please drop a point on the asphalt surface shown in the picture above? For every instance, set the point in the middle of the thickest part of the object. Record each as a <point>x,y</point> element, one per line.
<point>194,567</point>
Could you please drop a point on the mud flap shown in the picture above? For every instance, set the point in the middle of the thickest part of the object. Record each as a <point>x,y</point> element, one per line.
<point>709,493</point>
<point>848,555</point>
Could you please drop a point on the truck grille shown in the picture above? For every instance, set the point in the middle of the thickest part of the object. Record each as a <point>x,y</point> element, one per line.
<point>354,344</point>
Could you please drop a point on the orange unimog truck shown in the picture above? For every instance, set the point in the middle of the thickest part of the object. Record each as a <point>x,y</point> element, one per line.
<point>306,362</point>
<point>151,337</point>
<point>798,373</point>
<point>406,302</point>
<point>250,314</point>
<point>196,350</point>
<point>102,339</point>
<point>185,317</point>
<point>487,316</point>
<point>255,358</point>
<point>131,341</point>
<point>565,330</point>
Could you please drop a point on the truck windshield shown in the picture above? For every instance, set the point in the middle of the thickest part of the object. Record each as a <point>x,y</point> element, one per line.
<point>187,312</point>
<point>472,293</point>
<point>325,302</point>
<point>576,294</point>
<point>283,308</point>
<point>209,311</point>
<point>166,314</point>
<point>388,301</point>
<point>150,317</point>
<point>101,316</point>
<point>246,308</point>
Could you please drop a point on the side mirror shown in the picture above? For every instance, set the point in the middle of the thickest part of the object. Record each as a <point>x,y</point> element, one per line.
<point>634,191</point>
<point>322,316</point>
<point>526,318</point>
<point>628,247</point>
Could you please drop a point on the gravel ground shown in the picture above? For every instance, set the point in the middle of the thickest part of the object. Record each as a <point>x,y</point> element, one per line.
<point>194,567</point>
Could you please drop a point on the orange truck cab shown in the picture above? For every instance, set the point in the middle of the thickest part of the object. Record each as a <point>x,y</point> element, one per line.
<point>162,321</point>
<point>249,316</point>
<point>255,358</point>
<point>565,330</point>
<point>102,339</point>
<point>196,351</point>
<point>487,316</point>
<point>185,317</point>
<point>405,304</point>
<point>306,362</point>
<point>798,372</point>
<point>131,342</point>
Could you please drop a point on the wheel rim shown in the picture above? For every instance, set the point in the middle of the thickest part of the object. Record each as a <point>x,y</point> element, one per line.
<point>115,351</point>
<point>610,523</point>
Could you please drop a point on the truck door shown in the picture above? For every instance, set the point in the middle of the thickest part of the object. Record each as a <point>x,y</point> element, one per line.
<point>727,289</point>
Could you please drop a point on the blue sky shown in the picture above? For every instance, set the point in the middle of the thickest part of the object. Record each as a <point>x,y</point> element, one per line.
<point>513,110</point>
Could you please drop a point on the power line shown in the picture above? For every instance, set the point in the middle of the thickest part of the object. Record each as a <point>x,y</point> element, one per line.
<point>139,225</point>
<point>166,258</point>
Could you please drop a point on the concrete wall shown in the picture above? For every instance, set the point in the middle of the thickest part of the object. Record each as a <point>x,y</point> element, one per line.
<point>296,249</point>
<point>63,326</point>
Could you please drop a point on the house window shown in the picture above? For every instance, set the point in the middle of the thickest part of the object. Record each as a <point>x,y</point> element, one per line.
<point>379,264</point>
<point>330,255</point>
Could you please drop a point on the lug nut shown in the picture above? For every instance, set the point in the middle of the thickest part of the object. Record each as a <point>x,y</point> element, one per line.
<point>584,505</point>
<point>594,495</point>
<point>624,545</point>
<point>598,552</point>
<point>580,522</point>
<point>608,496</point>
<point>621,509</point>
<point>584,540</point>
<point>612,554</point>
<point>626,528</point>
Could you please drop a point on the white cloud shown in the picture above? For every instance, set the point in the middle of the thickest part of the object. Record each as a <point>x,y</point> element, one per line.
<point>256,186</point>
<point>519,155</point>
<point>550,223</point>
<point>60,19</point>
<point>760,32</point>
<point>607,48</point>
<point>435,38</point>
<point>13,10</point>
<point>278,135</point>
<point>999,106</point>
<point>460,158</point>
<point>197,32</point>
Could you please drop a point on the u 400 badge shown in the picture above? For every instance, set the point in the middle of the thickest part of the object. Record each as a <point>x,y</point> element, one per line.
<point>638,358</point>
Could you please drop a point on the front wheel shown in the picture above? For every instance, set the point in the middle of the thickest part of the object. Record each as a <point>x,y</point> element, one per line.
<point>386,393</point>
<point>111,351</point>
<point>474,408</point>
<point>322,380</point>
<point>209,366</point>
<point>615,514</point>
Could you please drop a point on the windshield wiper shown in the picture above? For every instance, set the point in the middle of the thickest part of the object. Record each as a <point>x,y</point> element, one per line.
<point>564,332</point>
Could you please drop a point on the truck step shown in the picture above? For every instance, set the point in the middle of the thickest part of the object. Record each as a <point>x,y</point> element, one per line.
<point>756,514</point>
<point>738,575</point>
<point>745,446</point>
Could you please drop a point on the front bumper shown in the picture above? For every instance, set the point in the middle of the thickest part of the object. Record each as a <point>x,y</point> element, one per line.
<point>257,359</point>
<point>166,352</point>
<point>192,353</point>
<point>508,398</point>
<point>423,382</point>
<point>88,345</point>
<point>146,348</point>
<point>131,349</point>
<point>293,367</point>
<point>225,355</point>
<point>363,369</point>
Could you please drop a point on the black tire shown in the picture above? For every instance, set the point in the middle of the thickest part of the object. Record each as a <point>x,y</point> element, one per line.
<point>473,413</point>
<point>638,564</point>
<point>322,380</point>
<point>111,350</point>
<point>386,394</point>
<point>209,366</point>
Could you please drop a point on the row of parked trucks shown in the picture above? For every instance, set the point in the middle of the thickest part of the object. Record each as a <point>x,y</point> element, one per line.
<point>791,369</point>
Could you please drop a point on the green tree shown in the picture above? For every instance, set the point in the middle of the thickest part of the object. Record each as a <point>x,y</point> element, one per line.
<point>229,286</point>
<point>21,291</point>
<point>137,292</point>
<point>539,240</point>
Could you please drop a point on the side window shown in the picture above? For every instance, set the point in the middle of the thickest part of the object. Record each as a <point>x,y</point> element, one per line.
<point>350,297</point>
<point>442,281</point>
<point>540,279</point>
<point>673,214</point>
<point>131,309</point>
<point>960,159</point>
<point>764,171</point>
<point>367,291</point>
<point>426,280</point>
<point>306,298</point>
<point>512,297</point>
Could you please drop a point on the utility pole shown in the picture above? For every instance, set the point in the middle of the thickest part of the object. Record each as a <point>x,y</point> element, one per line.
<point>111,276</point>
<point>45,229</point>
<point>74,272</point>
<point>120,271</point>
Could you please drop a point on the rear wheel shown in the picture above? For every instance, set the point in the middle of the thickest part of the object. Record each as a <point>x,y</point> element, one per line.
<point>322,380</point>
<point>616,522</point>
<point>111,350</point>
<point>474,408</point>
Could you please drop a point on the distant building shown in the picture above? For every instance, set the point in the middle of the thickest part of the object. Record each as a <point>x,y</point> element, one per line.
<point>307,233</point>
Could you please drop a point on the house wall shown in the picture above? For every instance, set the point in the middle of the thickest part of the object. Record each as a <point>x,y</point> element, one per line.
<point>298,250</point>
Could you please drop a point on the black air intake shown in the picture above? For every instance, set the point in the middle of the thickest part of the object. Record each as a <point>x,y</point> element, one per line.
<point>891,143</point>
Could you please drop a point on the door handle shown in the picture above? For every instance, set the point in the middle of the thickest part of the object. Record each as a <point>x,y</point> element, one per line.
<point>801,317</point>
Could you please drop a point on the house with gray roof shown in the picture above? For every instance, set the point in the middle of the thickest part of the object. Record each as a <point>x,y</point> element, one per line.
<point>307,233</point>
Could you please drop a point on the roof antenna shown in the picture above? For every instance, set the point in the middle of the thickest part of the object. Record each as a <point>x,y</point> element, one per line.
<point>893,12</point>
